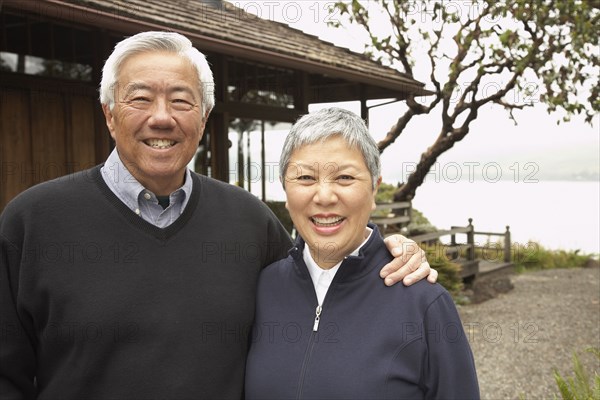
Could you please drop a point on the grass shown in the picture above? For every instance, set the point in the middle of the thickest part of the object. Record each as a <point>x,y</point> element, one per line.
<point>534,257</point>
<point>579,386</point>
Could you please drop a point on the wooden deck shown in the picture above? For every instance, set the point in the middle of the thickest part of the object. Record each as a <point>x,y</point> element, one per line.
<point>489,267</point>
<point>463,252</point>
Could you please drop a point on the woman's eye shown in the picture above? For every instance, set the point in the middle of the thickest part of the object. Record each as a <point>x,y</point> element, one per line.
<point>305,178</point>
<point>345,177</point>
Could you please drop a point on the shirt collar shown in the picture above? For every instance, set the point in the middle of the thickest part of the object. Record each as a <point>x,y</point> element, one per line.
<point>129,190</point>
<point>314,270</point>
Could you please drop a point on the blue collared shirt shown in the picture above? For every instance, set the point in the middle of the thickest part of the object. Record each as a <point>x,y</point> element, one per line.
<point>139,199</point>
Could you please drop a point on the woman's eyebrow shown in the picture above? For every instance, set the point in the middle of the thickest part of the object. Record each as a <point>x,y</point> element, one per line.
<point>328,165</point>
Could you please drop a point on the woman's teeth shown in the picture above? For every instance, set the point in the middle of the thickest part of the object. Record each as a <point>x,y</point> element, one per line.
<point>328,221</point>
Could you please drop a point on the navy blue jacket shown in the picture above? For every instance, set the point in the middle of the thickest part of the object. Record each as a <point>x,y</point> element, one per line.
<point>370,341</point>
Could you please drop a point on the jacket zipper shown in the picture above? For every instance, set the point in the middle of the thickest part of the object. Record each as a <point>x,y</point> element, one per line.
<point>317,318</point>
<point>309,350</point>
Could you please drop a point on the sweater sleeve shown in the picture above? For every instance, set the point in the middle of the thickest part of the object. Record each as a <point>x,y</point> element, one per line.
<point>17,354</point>
<point>278,241</point>
<point>449,371</point>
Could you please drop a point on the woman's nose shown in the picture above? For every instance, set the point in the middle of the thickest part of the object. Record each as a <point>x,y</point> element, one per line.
<point>325,193</point>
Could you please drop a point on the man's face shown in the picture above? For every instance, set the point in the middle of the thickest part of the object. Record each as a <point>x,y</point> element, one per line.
<point>157,120</point>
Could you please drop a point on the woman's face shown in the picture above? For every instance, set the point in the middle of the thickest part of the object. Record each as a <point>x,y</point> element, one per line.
<point>330,197</point>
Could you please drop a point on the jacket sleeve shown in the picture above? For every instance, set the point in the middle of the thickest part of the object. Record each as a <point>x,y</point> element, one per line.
<point>17,354</point>
<point>449,371</point>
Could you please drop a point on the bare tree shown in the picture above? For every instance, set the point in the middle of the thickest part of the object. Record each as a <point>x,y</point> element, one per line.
<point>480,53</point>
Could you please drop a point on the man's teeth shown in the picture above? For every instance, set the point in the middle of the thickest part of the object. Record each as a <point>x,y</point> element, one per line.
<point>160,143</point>
<point>328,221</point>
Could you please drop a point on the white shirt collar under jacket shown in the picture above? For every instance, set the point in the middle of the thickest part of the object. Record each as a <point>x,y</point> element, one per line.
<point>139,199</point>
<point>322,278</point>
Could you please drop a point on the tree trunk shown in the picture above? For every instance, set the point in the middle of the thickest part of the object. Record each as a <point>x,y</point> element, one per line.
<point>428,159</point>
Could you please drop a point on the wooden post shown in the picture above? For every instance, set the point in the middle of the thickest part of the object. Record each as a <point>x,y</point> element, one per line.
<point>409,211</point>
<point>263,174</point>
<point>507,245</point>
<point>471,241</point>
<point>248,162</point>
<point>364,110</point>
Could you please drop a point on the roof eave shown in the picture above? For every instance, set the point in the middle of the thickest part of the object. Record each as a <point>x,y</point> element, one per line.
<point>127,24</point>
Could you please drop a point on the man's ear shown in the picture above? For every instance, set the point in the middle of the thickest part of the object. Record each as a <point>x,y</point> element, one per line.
<point>281,181</point>
<point>110,119</point>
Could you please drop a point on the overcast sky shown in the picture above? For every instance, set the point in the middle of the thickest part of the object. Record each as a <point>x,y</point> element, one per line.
<point>537,147</point>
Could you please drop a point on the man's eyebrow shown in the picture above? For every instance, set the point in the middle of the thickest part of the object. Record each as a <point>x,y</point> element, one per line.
<point>185,89</point>
<point>135,86</point>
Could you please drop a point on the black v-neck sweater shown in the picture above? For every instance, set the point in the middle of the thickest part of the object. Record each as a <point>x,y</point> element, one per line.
<point>96,303</point>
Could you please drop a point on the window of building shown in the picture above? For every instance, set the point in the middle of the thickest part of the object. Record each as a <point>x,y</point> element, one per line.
<point>33,46</point>
<point>260,84</point>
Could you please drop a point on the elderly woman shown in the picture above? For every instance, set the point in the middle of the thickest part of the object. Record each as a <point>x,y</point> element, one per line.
<point>326,326</point>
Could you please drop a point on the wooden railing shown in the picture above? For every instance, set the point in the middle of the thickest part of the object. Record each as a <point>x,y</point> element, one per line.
<point>506,242</point>
<point>463,253</point>
<point>398,216</point>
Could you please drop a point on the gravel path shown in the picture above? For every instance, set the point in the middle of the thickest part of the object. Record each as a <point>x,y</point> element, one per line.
<point>519,337</point>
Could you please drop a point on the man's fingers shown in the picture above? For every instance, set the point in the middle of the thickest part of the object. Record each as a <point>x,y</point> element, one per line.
<point>394,244</point>
<point>409,267</point>
<point>433,275</point>
<point>410,263</point>
<point>399,245</point>
<point>422,272</point>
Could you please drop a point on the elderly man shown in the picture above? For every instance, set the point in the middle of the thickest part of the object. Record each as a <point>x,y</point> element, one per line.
<point>136,279</point>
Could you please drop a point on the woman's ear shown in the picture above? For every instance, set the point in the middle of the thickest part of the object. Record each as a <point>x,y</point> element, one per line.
<point>378,184</point>
<point>375,192</point>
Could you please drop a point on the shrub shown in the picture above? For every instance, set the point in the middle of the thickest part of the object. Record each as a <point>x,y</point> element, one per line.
<point>579,387</point>
<point>419,224</point>
<point>278,208</point>
<point>449,272</point>
<point>535,257</point>
<point>385,194</point>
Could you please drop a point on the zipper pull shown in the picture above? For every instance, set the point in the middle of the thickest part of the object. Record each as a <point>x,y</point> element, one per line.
<point>317,318</point>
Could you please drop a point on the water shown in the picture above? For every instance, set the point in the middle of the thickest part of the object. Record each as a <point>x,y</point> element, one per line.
<point>556,214</point>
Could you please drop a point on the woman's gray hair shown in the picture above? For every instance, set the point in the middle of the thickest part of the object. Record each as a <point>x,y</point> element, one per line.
<point>327,123</point>
<point>157,41</point>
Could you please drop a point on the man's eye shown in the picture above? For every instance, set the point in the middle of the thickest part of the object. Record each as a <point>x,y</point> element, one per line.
<point>305,178</point>
<point>139,102</point>
<point>181,104</point>
<point>345,178</point>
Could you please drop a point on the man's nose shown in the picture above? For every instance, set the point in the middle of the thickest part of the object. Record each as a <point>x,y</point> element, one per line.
<point>161,115</point>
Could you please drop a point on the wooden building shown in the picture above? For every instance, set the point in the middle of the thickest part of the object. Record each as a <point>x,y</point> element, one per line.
<point>52,52</point>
